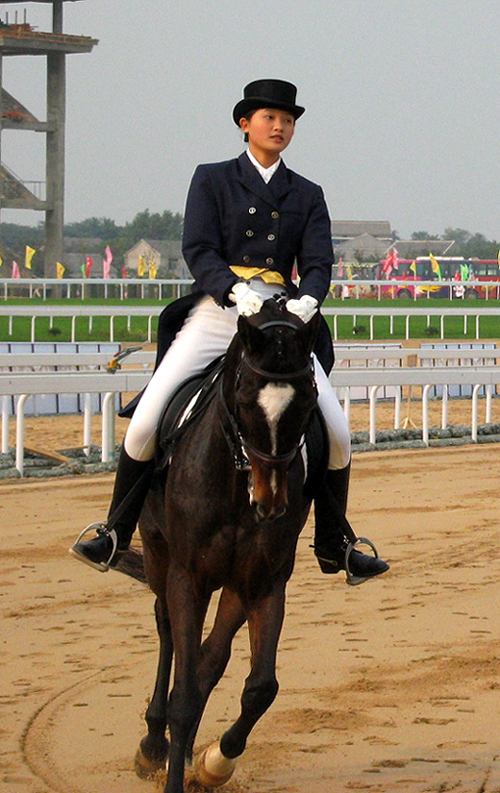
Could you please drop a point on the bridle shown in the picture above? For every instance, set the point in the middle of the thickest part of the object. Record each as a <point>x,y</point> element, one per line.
<point>238,444</point>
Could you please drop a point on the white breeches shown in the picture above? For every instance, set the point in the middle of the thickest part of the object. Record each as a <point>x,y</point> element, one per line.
<point>206,335</point>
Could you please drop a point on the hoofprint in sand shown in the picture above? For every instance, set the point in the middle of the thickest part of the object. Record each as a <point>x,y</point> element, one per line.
<point>391,686</point>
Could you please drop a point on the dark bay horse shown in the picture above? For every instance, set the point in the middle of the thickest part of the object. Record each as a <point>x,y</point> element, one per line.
<point>228,518</point>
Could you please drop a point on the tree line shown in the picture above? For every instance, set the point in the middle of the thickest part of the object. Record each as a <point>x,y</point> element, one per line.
<point>104,231</point>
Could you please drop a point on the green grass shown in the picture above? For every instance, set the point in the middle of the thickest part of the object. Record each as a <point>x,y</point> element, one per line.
<point>420,326</point>
<point>137,332</point>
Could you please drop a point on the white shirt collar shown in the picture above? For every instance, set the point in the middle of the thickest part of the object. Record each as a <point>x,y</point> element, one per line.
<point>266,173</point>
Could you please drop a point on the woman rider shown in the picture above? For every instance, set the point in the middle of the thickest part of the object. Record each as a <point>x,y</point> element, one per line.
<point>248,221</point>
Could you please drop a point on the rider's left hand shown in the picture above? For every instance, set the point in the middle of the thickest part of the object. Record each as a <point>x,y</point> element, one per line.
<point>305,307</point>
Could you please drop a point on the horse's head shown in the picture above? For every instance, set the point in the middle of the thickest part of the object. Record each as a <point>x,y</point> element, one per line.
<point>274,394</point>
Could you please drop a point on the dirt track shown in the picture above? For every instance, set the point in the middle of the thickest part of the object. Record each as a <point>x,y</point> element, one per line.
<point>394,685</point>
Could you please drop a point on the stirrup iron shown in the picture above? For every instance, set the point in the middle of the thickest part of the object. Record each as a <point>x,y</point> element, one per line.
<point>354,580</point>
<point>99,528</point>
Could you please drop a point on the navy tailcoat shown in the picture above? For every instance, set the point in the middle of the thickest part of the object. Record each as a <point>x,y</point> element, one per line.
<point>234,218</point>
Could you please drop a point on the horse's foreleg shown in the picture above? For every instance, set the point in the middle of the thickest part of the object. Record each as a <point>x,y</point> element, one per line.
<point>261,686</point>
<point>153,750</point>
<point>187,610</point>
<point>216,649</point>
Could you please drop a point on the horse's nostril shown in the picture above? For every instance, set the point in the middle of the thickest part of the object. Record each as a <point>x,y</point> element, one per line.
<point>262,514</point>
<point>259,512</point>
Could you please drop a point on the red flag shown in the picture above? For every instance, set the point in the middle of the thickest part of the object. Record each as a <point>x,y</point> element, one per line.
<point>88,264</point>
<point>395,255</point>
<point>124,272</point>
<point>388,264</point>
<point>340,268</point>
<point>15,270</point>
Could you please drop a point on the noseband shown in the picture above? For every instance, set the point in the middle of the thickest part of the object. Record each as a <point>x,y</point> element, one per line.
<point>239,446</point>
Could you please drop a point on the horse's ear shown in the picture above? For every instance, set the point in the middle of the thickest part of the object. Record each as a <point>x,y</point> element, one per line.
<point>251,336</point>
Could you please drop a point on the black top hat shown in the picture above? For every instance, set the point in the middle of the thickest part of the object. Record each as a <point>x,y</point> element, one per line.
<point>268,93</point>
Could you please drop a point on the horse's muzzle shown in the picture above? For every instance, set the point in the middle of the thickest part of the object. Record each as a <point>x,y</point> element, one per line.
<point>262,514</point>
<point>268,489</point>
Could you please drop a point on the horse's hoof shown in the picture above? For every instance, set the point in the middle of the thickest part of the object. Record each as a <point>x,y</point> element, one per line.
<point>145,768</point>
<point>211,768</point>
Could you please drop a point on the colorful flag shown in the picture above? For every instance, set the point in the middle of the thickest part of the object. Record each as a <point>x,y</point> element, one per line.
<point>152,271</point>
<point>141,266</point>
<point>388,264</point>
<point>124,272</point>
<point>395,255</point>
<point>464,272</point>
<point>340,268</point>
<point>88,264</point>
<point>60,270</point>
<point>30,252</point>
<point>435,266</point>
<point>349,272</point>
<point>15,270</point>
<point>82,269</point>
<point>413,267</point>
<point>106,264</point>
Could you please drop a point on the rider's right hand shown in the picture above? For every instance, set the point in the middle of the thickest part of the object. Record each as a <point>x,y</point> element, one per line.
<point>247,300</point>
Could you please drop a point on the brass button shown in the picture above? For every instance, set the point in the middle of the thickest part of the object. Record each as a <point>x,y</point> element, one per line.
<point>269,261</point>
<point>271,237</point>
<point>246,259</point>
<point>252,210</point>
<point>249,233</point>
<point>275,214</point>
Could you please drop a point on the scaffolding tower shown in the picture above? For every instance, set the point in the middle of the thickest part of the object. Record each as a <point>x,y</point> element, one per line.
<point>19,38</point>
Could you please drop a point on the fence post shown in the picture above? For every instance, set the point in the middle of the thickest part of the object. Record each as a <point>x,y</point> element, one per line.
<point>5,424</point>
<point>20,434</point>
<point>87,424</point>
<point>108,428</point>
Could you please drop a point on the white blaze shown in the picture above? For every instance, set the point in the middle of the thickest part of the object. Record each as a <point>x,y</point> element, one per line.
<point>274,400</point>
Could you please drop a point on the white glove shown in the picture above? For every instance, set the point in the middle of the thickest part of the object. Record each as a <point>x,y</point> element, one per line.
<point>304,308</point>
<point>247,300</point>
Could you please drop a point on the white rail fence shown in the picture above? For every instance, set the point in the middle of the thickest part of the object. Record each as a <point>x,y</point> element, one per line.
<point>74,313</point>
<point>480,374</point>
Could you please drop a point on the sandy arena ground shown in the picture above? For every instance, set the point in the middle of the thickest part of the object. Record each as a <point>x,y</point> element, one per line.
<point>391,686</point>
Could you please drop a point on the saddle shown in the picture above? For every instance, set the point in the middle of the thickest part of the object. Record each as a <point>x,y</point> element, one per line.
<point>188,404</point>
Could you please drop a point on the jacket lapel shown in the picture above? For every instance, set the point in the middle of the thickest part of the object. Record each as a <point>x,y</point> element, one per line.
<point>272,192</point>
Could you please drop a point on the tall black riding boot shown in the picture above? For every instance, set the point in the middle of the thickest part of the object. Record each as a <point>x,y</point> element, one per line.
<point>333,533</point>
<point>132,482</point>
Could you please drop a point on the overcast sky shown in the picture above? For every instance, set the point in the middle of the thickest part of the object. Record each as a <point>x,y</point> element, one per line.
<point>402,99</point>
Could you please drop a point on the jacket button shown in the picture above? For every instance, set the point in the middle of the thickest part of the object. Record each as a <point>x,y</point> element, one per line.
<point>246,259</point>
<point>275,215</point>
<point>271,237</point>
<point>269,261</point>
<point>249,233</point>
<point>252,210</point>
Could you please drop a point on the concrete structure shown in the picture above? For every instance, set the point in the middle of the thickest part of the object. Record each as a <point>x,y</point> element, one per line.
<point>21,39</point>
